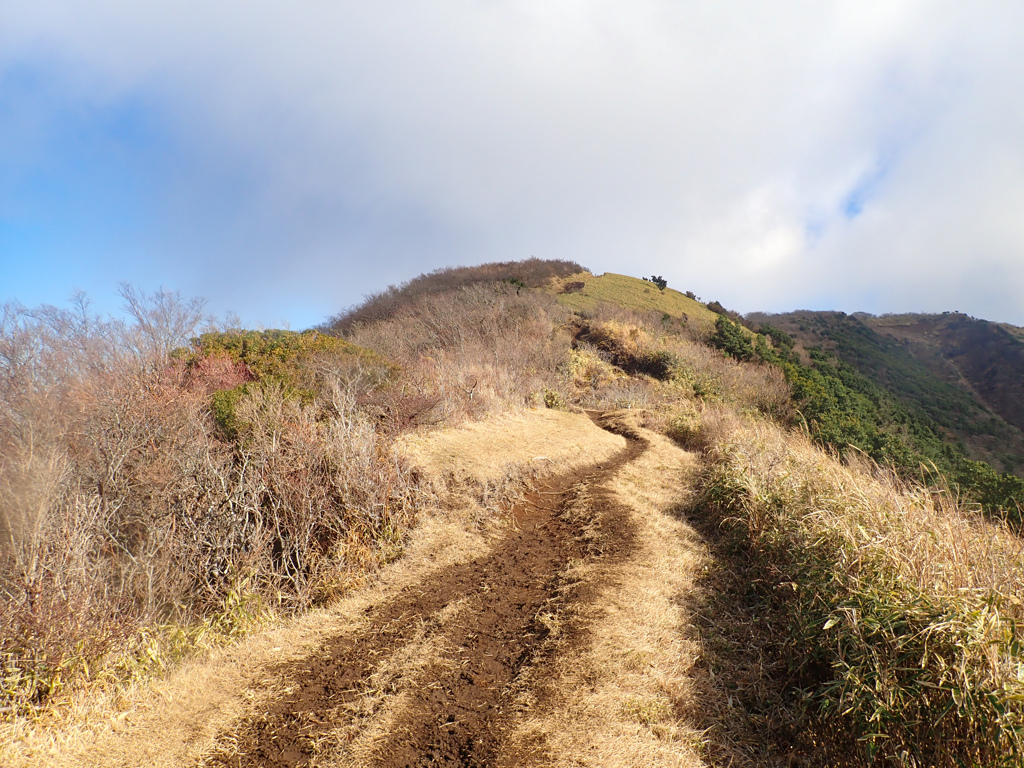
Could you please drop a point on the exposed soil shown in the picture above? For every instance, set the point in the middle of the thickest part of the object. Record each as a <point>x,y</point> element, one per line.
<point>503,608</point>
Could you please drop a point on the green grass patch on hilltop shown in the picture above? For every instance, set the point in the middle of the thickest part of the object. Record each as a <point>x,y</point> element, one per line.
<point>634,293</point>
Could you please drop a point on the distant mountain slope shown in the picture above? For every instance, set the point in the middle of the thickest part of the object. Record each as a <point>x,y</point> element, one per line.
<point>1015,331</point>
<point>966,375</point>
<point>988,358</point>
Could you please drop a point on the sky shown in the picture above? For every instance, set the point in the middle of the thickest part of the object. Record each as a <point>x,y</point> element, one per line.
<point>284,160</point>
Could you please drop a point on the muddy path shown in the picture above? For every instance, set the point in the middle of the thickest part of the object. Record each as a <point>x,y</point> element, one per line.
<point>433,676</point>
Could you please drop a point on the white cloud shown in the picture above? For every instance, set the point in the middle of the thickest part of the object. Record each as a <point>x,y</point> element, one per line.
<point>716,144</point>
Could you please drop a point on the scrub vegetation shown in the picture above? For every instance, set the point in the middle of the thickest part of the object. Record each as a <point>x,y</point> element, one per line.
<point>797,558</point>
<point>153,496</point>
<point>872,621</point>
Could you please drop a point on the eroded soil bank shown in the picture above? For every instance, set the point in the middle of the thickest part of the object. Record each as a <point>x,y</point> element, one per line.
<point>430,678</point>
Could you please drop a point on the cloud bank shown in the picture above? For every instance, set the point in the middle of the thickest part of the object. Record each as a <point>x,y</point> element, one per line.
<point>285,159</point>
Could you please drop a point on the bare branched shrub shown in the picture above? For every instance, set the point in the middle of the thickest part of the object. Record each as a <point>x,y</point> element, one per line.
<point>476,348</point>
<point>87,436</point>
<point>163,321</point>
<point>386,305</point>
<point>123,507</point>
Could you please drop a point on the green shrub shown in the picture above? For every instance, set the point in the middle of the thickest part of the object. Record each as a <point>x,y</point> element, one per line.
<point>222,408</point>
<point>998,494</point>
<point>658,280</point>
<point>281,355</point>
<point>300,364</point>
<point>552,399</point>
<point>730,338</point>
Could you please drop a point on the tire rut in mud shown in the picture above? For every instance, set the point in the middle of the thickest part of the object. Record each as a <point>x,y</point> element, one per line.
<point>456,709</point>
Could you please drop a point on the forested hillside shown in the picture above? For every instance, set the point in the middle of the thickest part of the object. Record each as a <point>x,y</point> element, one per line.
<point>984,357</point>
<point>963,374</point>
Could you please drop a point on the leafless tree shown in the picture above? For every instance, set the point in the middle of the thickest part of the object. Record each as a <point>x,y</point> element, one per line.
<point>164,320</point>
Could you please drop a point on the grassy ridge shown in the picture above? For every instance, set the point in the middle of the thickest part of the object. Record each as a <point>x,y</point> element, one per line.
<point>634,293</point>
<point>888,612</point>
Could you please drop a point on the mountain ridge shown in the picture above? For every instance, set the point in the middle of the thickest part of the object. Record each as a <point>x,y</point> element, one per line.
<point>965,373</point>
<point>794,549</point>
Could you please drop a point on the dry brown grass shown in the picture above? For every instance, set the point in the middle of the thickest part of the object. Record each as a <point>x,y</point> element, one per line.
<point>625,697</point>
<point>674,367</point>
<point>934,544</point>
<point>387,304</point>
<point>103,454</point>
<point>173,721</point>
<point>880,617</point>
<point>477,350</point>
<point>176,721</point>
<point>537,441</point>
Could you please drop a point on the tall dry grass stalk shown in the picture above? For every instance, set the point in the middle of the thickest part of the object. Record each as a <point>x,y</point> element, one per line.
<point>896,610</point>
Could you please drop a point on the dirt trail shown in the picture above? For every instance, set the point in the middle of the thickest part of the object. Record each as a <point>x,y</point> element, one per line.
<point>476,626</point>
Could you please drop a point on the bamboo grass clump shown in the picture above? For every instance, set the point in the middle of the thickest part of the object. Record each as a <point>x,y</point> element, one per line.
<point>901,623</point>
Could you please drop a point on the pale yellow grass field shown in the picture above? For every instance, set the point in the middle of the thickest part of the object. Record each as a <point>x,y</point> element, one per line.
<point>174,721</point>
<point>536,441</point>
<point>623,698</point>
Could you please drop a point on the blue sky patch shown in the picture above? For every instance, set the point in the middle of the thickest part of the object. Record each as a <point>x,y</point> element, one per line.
<point>866,188</point>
